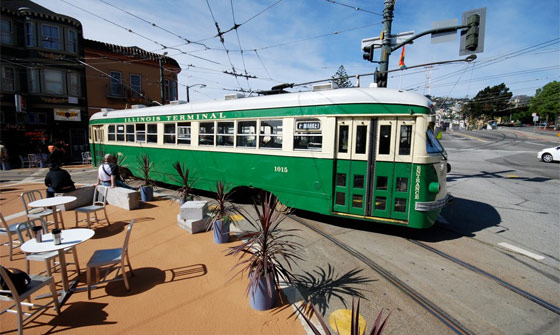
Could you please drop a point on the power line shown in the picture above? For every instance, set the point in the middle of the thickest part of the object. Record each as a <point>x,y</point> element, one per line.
<point>354,8</point>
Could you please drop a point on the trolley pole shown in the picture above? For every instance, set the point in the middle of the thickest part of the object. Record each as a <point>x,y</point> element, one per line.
<point>381,75</point>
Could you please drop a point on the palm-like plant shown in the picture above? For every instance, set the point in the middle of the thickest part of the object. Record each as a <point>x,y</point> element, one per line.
<point>221,213</point>
<point>186,181</point>
<point>268,251</point>
<point>145,165</point>
<point>377,328</point>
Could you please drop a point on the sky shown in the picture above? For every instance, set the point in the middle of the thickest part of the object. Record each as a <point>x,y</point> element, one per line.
<point>300,41</point>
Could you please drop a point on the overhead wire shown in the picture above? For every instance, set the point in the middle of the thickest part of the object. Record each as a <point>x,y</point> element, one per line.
<point>239,43</point>
<point>354,8</point>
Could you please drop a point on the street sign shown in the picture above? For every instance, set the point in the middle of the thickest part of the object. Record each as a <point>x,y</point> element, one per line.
<point>449,36</point>
<point>377,42</point>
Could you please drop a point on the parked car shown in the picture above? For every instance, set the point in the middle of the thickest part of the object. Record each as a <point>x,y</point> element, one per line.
<point>549,154</point>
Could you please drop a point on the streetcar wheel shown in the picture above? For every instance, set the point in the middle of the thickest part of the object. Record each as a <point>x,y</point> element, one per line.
<point>547,158</point>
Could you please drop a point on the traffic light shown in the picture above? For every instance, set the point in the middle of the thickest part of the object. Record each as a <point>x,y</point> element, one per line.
<point>471,42</point>
<point>368,53</point>
<point>381,78</point>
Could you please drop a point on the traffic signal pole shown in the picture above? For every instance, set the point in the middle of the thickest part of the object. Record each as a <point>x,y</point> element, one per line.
<point>386,48</point>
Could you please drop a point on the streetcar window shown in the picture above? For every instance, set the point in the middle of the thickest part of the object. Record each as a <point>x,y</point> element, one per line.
<point>361,138</point>
<point>225,134</point>
<point>380,203</point>
<point>341,179</point>
<point>406,140</point>
<point>400,205</point>
<point>381,183</point>
<point>206,133</point>
<point>120,132</point>
<point>270,136</point>
<point>358,181</point>
<point>184,133</point>
<point>130,133</point>
<point>343,131</point>
<point>384,139</point>
<point>432,143</point>
<point>169,133</point>
<point>402,184</point>
<point>246,134</point>
<point>340,199</point>
<point>308,135</point>
<point>111,132</point>
<point>152,133</point>
<point>357,201</point>
<point>141,133</point>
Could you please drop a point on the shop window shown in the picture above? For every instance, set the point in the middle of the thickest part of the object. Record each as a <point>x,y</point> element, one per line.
<point>270,136</point>
<point>246,134</point>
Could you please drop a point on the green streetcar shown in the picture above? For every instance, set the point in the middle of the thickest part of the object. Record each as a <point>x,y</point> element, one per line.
<point>364,153</point>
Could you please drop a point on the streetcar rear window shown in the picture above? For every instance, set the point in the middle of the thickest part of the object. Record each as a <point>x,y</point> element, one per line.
<point>432,143</point>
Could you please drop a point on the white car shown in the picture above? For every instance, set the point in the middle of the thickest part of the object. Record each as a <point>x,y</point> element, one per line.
<point>550,154</point>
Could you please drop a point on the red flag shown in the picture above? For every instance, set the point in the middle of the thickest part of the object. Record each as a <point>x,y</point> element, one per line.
<point>401,61</point>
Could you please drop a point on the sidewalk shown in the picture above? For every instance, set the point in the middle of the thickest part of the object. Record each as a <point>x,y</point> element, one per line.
<point>180,283</point>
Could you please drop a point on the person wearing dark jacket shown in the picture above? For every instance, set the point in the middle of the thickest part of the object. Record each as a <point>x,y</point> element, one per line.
<point>58,180</point>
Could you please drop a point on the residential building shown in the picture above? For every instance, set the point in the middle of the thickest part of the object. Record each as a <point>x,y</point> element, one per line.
<point>119,76</point>
<point>42,87</point>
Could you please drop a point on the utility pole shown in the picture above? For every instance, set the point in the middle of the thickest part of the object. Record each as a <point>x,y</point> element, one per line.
<point>381,77</point>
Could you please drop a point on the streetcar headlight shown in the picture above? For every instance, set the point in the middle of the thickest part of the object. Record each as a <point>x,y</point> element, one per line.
<point>433,187</point>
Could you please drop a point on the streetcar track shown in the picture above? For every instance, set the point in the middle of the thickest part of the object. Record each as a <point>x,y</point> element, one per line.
<point>424,302</point>
<point>502,282</point>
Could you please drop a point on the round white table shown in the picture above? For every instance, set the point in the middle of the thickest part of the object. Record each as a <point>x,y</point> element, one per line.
<point>52,203</point>
<point>69,238</point>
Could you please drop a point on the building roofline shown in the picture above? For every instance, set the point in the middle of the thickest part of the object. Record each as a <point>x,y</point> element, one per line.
<point>26,8</point>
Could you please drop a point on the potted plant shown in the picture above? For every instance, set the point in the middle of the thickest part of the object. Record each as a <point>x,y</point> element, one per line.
<point>187,183</point>
<point>145,165</point>
<point>266,254</point>
<point>221,213</point>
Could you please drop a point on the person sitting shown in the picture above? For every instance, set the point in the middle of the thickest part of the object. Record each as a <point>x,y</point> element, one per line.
<point>108,173</point>
<point>58,180</point>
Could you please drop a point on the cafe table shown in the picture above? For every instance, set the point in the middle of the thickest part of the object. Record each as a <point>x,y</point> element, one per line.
<point>69,238</point>
<point>52,203</point>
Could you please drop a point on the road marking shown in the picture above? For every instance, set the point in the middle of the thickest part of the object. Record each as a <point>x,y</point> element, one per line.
<point>520,251</point>
<point>341,321</point>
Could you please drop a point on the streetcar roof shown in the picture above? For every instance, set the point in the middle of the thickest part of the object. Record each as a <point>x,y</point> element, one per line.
<point>298,99</point>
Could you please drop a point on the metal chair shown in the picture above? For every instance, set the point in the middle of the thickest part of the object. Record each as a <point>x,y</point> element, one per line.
<point>9,230</point>
<point>33,213</point>
<point>34,160</point>
<point>24,161</point>
<point>99,203</point>
<point>37,282</point>
<point>110,258</point>
<point>86,157</point>
<point>24,231</point>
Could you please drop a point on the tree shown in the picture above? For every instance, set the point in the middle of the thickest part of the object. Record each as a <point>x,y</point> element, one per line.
<point>340,78</point>
<point>489,101</point>
<point>546,102</point>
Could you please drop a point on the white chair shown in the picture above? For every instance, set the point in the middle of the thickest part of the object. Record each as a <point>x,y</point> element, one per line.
<point>33,213</point>
<point>34,160</point>
<point>110,258</point>
<point>99,203</point>
<point>9,230</point>
<point>24,231</point>
<point>37,282</point>
<point>86,157</point>
<point>24,161</point>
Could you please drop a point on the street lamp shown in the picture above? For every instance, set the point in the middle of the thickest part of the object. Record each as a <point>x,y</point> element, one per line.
<point>161,76</point>
<point>201,85</point>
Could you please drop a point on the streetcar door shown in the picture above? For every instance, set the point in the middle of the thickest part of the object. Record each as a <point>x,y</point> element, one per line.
<point>97,136</point>
<point>350,177</point>
<point>393,168</point>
